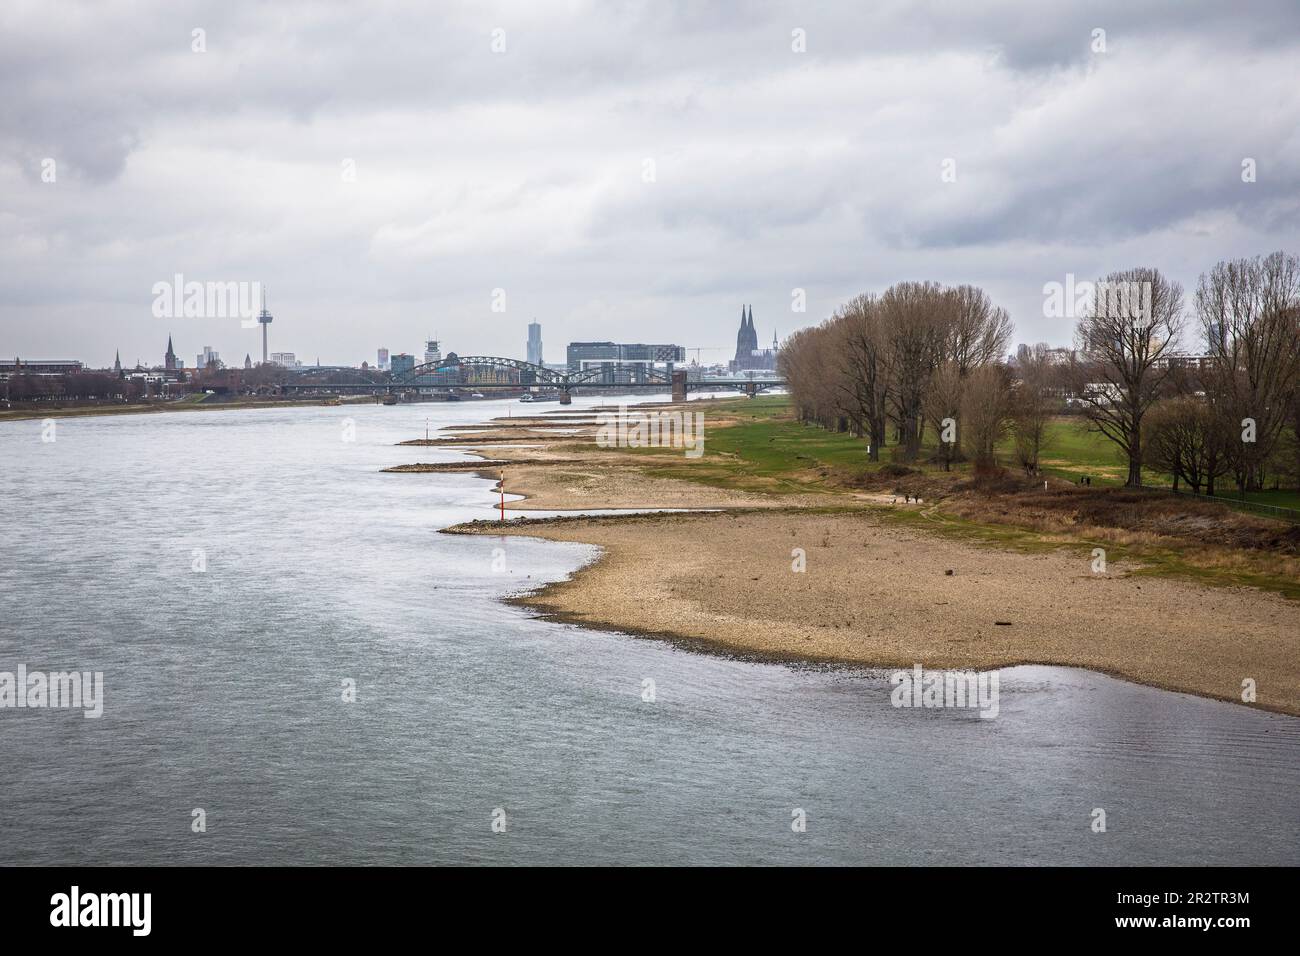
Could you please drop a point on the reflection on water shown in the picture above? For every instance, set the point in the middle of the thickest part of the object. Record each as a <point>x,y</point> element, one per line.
<point>224,691</point>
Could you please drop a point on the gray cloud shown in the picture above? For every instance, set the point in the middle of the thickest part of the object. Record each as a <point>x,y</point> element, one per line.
<point>524,170</point>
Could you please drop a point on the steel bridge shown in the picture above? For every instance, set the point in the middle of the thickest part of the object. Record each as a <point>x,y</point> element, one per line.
<point>490,372</point>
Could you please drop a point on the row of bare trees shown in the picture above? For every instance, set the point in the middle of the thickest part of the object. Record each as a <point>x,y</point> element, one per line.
<point>1236,412</point>
<point>889,365</point>
<point>922,356</point>
<point>77,387</point>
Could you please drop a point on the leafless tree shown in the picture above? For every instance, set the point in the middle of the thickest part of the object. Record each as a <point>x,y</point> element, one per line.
<point>986,410</point>
<point>1185,438</point>
<point>1033,403</point>
<point>1249,310</point>
<point>943,404</point>
<point>1129,333</point>
<point>865,368</point>
<point>916,318</point>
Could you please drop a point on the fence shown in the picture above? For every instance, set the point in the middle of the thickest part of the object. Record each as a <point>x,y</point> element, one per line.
<point>1270,511</point>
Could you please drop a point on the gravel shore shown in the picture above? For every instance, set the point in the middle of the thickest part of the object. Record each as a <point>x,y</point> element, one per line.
<point>882,596</point>
<point>873,592</point>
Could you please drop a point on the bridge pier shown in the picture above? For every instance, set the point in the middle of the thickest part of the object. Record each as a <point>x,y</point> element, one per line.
<point>565,397</point>
<point>679,386</point>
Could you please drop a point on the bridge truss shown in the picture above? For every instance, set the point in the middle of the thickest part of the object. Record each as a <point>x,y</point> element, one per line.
<point>490,372</point>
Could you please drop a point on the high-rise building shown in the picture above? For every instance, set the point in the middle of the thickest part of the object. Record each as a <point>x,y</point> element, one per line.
<point>383,360</point>
<point>401,363</point>
<point>207,357</point>
<point>432,353</point>
<point>535,342</point>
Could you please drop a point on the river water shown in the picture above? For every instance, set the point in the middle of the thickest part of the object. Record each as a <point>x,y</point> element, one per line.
<point>224,691</point>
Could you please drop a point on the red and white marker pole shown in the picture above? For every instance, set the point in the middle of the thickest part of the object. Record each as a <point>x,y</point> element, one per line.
<point>503,494</point>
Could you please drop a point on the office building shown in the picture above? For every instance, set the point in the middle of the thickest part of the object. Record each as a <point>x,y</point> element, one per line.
<point>620,361</point>
<point>535,343</point>
<point>432,353</point>
<point>38,367</point>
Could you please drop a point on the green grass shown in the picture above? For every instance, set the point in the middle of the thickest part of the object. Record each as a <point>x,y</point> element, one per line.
<point>768,450</point>
<point>1147,560</point>
<point>1071,450</point>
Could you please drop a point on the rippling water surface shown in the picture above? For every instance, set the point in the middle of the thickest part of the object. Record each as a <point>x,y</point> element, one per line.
<point>224,691</point>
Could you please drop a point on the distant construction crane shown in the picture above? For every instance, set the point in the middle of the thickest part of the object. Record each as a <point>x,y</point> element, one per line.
<point>697,349</point>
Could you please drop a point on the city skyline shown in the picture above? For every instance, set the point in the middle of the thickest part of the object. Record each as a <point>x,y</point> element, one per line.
<point>798,150</point>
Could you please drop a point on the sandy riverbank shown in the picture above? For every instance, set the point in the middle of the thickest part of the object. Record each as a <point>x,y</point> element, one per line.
<point>881,596</point>
<point>875,592</point>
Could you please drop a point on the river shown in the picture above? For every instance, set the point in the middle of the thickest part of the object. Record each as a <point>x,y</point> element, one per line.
<point>224,691</point>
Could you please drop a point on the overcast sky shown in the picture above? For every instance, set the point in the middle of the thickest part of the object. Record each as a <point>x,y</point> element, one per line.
<point>526,169</point>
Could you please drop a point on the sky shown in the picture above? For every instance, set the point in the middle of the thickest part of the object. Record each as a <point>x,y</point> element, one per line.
<point>631,171</point>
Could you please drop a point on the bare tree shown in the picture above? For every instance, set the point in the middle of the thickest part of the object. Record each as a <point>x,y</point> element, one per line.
<point>1185,438</point>
<point>1033,404</point>
<point>801,364</point>
<point>986,409</point>
<point>1129,333</point>
<point>916,317</point>
<point>980,333</point>
<point>1249,310</point>
<point>943,405</point>
<point>865,368</point>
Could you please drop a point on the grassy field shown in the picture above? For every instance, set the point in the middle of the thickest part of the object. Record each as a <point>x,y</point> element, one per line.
<point>757,445</point>
<point>768,450</point>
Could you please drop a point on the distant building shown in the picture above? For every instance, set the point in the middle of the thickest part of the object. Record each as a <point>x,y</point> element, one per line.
<point>535,343</point>
<point>432,353</point>
<point>207,358</point>
<point>622,362</point>
<point>169,360</point>
<point>248,360</point>
<point>285,360</point>
<point>39,367</point>
<point>383,360</point>
<point>749,357</point>
<point>1053,356</point>
<point>401,363</point>
<point>582,354</point>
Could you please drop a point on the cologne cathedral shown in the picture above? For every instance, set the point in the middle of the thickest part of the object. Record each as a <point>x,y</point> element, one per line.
<point>749,357</point>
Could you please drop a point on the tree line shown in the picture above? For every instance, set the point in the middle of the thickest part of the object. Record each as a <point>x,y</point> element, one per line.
<point>922,358</point>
